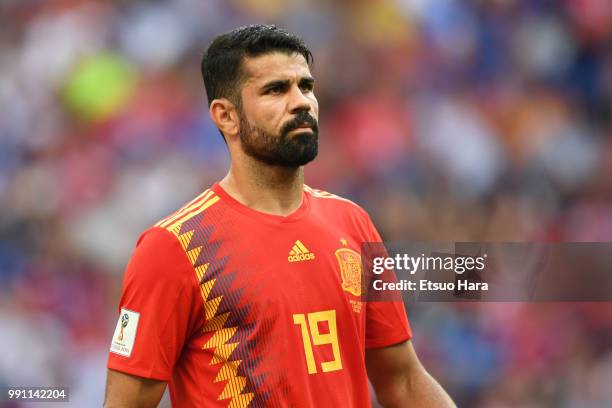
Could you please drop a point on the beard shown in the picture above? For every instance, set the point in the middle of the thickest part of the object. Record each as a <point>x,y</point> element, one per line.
<point>283,149</point>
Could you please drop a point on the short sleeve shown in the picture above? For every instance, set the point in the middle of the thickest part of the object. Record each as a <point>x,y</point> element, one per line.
<point>386,322</point>
<point>158,308</point>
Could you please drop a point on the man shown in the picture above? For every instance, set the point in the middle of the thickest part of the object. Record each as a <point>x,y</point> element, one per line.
<point>248,295</point>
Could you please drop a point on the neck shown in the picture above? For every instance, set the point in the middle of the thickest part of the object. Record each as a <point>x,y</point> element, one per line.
<point>270,189</point>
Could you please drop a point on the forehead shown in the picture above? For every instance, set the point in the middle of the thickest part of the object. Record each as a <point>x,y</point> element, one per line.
<point>275,66</point>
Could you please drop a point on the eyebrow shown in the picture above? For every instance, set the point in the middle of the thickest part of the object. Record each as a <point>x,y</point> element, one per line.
<point>284,83</point>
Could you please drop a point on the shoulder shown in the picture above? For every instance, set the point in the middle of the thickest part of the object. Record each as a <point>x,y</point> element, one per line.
<point>343,212</point>
<point>337,207</point>
<point>168,239</point>
<point>158,259</point>
<point>174,222</point>
<point>326,199</point>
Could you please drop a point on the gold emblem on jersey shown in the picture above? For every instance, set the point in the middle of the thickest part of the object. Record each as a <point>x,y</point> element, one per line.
<point>300,253</point>
<point>350,270</point>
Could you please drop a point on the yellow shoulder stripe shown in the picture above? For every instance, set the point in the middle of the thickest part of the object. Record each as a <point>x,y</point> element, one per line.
<point>209,202</point>
<point>193,204</point>
<point>325,194</point>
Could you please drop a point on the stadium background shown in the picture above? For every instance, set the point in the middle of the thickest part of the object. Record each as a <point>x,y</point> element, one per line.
<point>446,119</point>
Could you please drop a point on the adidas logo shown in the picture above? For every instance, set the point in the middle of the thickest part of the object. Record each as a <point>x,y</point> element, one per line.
<point>299,253</point>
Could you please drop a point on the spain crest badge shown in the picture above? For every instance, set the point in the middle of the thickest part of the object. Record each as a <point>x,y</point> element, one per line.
<point>350,270</point>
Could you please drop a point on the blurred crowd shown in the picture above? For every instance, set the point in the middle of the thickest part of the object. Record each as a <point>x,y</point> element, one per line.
<point>448,120</point>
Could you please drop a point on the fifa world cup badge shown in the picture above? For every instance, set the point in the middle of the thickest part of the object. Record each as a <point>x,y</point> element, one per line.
<point>125,332</point>
<point>125,319</point>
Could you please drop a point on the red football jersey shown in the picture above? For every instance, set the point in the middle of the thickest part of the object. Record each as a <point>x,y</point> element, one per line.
<point>234,307</point>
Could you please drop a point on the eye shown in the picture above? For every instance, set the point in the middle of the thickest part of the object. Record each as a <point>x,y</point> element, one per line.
<point>275,90</point>
<point>307,87</point>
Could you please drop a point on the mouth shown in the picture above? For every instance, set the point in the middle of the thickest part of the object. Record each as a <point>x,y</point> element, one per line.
<point>302,128</point>
<point>301,124</point>
<point>305,125</point>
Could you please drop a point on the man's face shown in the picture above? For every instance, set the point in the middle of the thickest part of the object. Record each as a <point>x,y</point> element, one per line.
<point>278,117</point>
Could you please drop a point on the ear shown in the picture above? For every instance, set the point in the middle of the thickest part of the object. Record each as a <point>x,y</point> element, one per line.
<point>224,114</point>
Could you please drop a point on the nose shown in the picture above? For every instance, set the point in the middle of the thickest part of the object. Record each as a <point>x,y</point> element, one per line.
<point>298,102</point>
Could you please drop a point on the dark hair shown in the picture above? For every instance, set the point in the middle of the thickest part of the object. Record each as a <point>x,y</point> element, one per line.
<point>222,63</point>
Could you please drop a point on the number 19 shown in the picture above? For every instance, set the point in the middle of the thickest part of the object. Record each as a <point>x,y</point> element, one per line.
<point>318,339</point>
